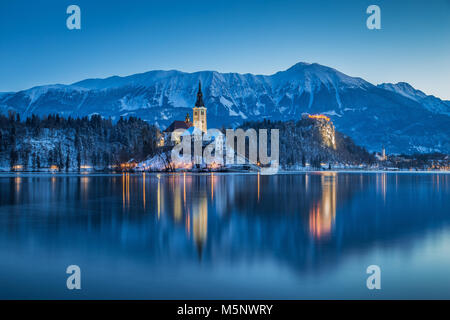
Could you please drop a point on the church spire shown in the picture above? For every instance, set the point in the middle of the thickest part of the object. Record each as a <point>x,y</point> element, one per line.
<point>200,110</point>
<point>199,102</point>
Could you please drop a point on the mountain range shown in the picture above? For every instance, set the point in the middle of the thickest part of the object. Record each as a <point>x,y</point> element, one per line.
<point>396,116</point>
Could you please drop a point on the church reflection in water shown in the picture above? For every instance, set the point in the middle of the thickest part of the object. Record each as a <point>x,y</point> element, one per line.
<point>171,217</point>
<point>180,198</point>
<point>189,200</point>
<point>206,204</point>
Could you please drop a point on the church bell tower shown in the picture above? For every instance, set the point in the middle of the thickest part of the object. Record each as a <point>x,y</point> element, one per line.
<point>200,110</point>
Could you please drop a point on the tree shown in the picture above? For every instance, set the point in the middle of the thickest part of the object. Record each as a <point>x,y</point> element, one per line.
<point>67,161</point>
<point>33,162</point>
<point>60,158</point>
<point>79,160</point>
<point>14,157</point>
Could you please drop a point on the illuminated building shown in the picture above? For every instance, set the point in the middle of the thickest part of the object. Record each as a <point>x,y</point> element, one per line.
<point>172,134</point>
<point>318,116</point>
<point>200,111</point>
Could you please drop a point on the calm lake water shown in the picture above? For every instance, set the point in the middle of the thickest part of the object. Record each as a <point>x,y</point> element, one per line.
<point>289,236</point>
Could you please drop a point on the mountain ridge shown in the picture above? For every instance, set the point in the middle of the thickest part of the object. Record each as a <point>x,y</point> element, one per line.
<point>397,116</point>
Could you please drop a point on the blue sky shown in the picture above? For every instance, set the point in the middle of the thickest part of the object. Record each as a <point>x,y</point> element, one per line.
<point>256,36</point>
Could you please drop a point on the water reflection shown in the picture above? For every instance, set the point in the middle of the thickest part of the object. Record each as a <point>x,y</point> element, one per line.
<point>143,189</point>
<point>304,222</point>
<point>200,221</point>
<point>381,184</point>
<point>17,182</point>
<point>322,214</point>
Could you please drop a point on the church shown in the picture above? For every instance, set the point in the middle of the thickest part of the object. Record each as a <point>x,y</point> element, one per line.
<point>169,135</point>
<point>200,111</point>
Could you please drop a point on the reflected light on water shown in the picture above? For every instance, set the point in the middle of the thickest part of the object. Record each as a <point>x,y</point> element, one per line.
<point>159,195</point>
<point>143,189</point>
<point>306,182</point>
<point>212,185</point>
<point>53,184</point>
<point>126,190</point>
<point>17,182</point>
<point>188,224</point>
<point>381,180</point>
<point>322,214</point>
<point>258,185</point>
<point>84,183</point>
<point>177,212</point>
<point>200,221</point>
<point>184,189</point>
<point>232,233</point>
<point>436,179</point>
<point>123,190</point>
<point>84,186</point>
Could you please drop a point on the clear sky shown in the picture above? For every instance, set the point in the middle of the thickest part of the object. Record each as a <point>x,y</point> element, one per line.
<point>256,36</point>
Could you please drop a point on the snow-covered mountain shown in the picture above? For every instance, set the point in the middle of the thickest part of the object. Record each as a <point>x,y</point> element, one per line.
<point>432,103</point>
<point>398,116</point>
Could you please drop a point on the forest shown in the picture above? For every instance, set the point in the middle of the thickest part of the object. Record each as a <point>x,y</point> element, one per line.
<point>314,142</point>
<point>70,144</point>
<point>73,144</point>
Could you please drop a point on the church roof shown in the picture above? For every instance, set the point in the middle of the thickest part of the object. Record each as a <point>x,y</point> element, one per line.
<point>177,124</point>
<point>199,102</point>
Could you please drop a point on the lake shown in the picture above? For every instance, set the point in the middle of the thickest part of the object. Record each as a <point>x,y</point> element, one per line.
<point>225,236</point>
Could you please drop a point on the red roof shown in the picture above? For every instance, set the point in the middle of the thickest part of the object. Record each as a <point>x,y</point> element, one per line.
<point>177,124</point>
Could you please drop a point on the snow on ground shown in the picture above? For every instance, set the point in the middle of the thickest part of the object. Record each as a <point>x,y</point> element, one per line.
<point>332,113</point>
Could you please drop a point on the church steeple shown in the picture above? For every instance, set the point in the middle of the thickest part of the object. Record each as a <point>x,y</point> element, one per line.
<point>199,109</point>
<point>199,102</point>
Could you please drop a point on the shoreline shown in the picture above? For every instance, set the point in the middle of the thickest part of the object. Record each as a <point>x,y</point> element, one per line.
<point>281,172</point>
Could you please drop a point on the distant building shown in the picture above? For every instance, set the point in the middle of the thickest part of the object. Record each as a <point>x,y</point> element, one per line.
<point>381,156</point>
